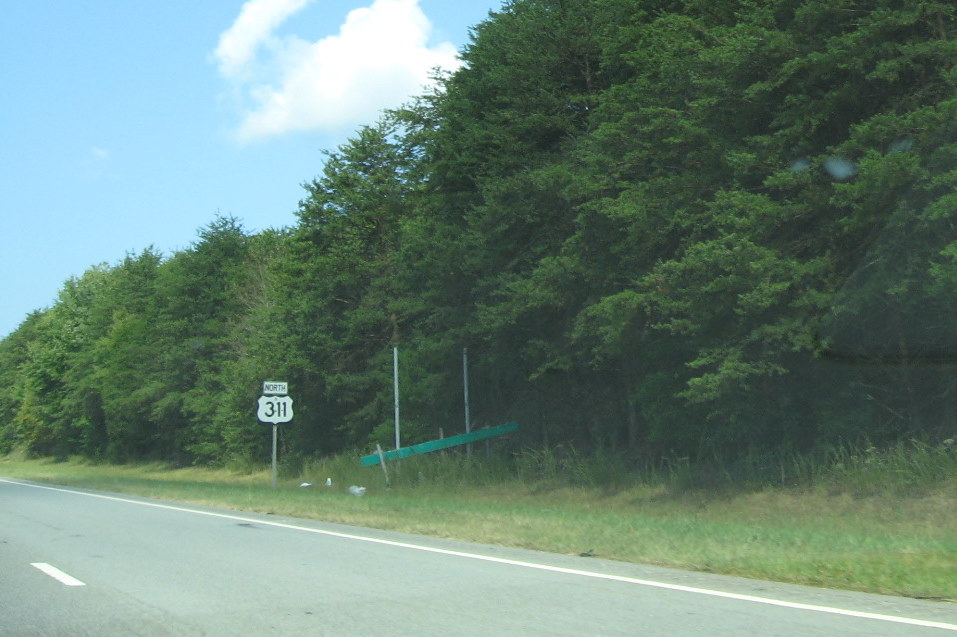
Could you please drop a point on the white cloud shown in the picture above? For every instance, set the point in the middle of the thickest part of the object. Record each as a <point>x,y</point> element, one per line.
<point>256,22</point>
<point>378,59</point>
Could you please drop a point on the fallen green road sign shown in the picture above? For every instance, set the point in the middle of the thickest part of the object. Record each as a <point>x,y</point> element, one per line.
<point>444,443</point>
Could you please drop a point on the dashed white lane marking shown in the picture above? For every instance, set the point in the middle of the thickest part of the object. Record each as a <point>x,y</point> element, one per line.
<point>57,574</point>
<point>531,565</point>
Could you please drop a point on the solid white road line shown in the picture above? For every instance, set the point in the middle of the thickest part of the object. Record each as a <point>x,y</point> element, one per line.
<point>57,574</point>
<point>541,567</point>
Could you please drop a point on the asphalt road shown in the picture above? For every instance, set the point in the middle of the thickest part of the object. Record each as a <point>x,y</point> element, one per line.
<point>77,563</point>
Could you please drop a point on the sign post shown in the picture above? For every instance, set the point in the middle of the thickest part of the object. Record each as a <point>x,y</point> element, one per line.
<point>275,406</point>
<point>275,431</point>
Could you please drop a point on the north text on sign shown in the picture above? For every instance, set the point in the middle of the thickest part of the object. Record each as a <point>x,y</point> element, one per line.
<point>275,388</point>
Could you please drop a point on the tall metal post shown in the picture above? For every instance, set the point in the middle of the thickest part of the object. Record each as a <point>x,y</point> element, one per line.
<point>275,429</point>
<point>465,383</point>
<point>395,376</point>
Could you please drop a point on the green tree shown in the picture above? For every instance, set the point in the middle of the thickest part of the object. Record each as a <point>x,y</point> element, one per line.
<point>339,277</point>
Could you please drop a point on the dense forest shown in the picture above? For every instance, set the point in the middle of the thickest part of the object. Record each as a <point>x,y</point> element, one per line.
<point>658,226</point>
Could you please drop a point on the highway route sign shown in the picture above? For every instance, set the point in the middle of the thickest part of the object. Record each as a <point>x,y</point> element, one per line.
<point>275,409</point>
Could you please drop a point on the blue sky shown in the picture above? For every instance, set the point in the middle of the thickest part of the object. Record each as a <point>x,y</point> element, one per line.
<point>133,123</point>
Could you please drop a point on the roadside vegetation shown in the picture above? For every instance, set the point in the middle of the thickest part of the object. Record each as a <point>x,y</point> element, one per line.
<point>683,228</point>
<point>695,248</point>
<point>869,520</point>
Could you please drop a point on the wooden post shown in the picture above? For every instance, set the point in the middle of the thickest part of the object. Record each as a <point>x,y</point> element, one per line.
<point>382,462</point>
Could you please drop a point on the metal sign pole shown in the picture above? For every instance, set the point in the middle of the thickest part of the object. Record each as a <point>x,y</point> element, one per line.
<point>465,384</point>
<point>275,430</point>
<point>395,382</point>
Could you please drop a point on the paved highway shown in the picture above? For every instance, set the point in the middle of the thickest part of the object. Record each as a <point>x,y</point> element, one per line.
<point>76,563</point>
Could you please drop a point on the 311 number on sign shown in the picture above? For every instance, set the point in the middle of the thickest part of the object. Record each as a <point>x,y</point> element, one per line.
<point>275,409</point>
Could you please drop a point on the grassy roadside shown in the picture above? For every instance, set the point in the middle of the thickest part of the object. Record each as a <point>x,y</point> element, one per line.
<point>894,532</point>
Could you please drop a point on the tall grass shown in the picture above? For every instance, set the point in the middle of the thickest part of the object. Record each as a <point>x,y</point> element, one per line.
<point>909,468</point>
<point>906,468</point>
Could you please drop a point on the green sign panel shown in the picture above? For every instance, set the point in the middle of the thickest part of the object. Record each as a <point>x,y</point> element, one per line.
<point>444,443</point>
